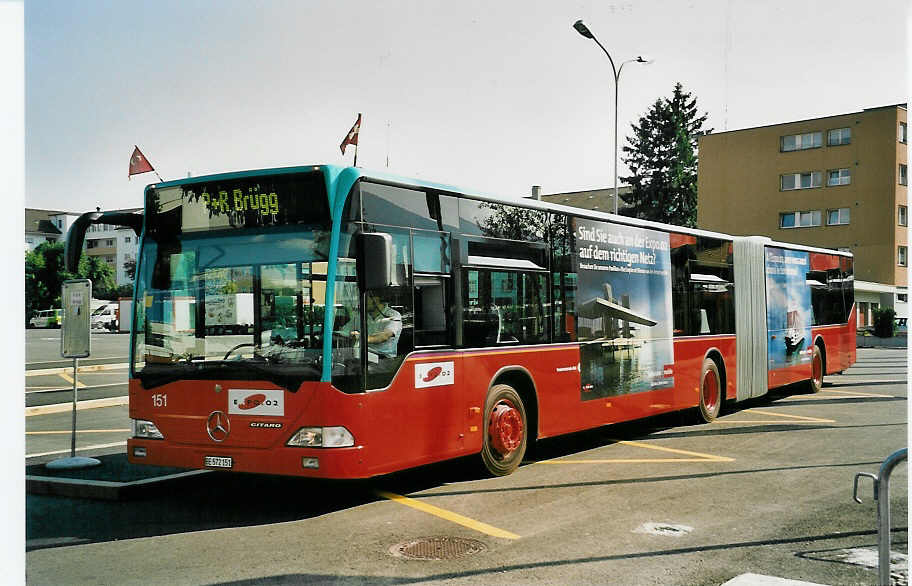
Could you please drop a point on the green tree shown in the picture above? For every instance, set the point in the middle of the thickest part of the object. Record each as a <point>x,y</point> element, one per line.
<point>101,273</point>
<point>44,276</point>
<point>662,155</point>
<point>45,272</point>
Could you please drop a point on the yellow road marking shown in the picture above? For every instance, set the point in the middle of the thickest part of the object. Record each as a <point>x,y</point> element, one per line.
<point>635,461</point>
<point>448,515</point>
<point>69,379</point>
<point>858,394</point>
<point>798,417</point>
<point>63,407</point>
<point>695,457</point>
<point>766,421</point>
<point>87,368</point>
<point>69,431</point>
<point>702,456</point>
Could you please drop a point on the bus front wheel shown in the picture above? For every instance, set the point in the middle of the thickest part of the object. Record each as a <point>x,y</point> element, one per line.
<point>505,431</point>
<point>710,391</point>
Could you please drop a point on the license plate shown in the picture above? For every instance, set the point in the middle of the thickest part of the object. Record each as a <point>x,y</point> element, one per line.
<point>217,462</point>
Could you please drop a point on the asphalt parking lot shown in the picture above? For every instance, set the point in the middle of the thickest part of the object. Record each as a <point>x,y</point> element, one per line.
<point>766,489</point>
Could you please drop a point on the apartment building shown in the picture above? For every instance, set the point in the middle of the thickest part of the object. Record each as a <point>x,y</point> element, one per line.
<point>114,244</point>
<point>834,182</point>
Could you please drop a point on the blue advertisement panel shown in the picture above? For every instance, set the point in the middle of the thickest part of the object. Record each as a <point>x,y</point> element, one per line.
<point>788,301</point>
<point>624,314</point>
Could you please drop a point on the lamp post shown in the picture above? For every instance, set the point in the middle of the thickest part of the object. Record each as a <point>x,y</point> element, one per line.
<point>582,29</point>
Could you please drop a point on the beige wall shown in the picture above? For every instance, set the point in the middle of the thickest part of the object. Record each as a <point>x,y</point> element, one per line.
<point>739,187</point>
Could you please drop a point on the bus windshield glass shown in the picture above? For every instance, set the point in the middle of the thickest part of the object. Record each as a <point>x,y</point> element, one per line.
<point>232,280</point>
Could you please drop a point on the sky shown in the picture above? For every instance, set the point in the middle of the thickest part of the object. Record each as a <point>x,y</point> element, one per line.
<point>494,97</point>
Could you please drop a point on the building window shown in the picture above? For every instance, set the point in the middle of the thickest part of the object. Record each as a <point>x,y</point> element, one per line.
<point>839,136</point>
<point>126,239</point>
<point>800,219</point>
<point>901,256</point>
<point>807,180</point>
<point>837,217</point>
<point>800,142</point>
<point>838,177</point>
<point>903,216</point>
<point>903,174</point>
<point>902,297</point>
<point>903,133</point>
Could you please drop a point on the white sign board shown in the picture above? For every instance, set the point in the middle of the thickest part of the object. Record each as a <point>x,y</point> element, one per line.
<point>75,341</point>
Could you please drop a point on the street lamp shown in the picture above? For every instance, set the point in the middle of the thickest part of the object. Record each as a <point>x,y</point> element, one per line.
<point>582,29</point>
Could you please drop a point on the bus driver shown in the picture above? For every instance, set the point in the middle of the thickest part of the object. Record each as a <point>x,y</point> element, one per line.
<point>384,325</point>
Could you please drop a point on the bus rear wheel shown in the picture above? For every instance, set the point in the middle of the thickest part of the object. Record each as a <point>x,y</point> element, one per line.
<point>710,391</point>
<point>505,431</point>
<point>816,383</point>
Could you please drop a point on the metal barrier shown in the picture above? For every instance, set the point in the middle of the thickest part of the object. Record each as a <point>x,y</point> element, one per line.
<point>882,496</point>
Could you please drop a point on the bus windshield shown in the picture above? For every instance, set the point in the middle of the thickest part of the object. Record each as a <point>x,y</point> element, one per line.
<point>231,281</point>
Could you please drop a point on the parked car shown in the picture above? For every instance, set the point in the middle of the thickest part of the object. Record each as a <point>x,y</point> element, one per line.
<point>105,317</point>
<point>47,318</point>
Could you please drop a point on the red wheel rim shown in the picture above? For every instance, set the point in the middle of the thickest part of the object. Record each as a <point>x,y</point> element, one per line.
<point>710,390</point>
<point>505,428</point>
<point>818,368</point>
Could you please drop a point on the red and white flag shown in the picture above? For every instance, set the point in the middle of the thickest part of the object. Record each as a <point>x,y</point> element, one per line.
<point>352,136</point>
<point>138,163</point>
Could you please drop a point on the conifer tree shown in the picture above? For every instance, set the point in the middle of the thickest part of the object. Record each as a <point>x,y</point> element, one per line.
<point>662,157</point>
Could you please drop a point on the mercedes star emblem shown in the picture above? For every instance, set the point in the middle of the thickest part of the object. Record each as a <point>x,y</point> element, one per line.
<point>218,426</point>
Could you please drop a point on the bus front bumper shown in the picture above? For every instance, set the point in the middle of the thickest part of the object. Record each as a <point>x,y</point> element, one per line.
<point>311,462</point>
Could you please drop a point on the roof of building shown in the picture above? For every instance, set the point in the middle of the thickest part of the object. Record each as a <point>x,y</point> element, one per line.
<point>37,221</point>
<point>590,199</point>
<point>901,105</point>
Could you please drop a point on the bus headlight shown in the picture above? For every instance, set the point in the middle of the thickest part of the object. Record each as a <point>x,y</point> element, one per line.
<point>322,437</point>
<point>145,429</point>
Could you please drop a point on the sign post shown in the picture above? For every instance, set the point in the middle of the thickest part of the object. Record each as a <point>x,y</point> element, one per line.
<point>75,343</point>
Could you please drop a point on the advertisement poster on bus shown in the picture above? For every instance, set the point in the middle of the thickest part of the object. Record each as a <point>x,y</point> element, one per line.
<point>788,316</point>
<point>624,314</point>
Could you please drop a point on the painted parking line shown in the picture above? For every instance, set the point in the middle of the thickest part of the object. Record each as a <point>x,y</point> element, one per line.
<point>63,407</point>
<point>693,457</point>
<point>791,419</point>
<point>790,416</point>
<point>448,515</point>
<point>69,431</point>
<point>859,394</point>
<point>82,449</point>
<point>81,369</point>
<point>69,388</point>
<point>65,376</point>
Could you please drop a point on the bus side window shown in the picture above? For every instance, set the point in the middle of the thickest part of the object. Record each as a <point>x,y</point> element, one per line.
<point>504,307</point>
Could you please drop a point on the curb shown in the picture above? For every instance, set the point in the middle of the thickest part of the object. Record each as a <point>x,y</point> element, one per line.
<point>100,489</point>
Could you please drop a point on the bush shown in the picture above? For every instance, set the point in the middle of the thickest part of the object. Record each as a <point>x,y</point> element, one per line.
<point>883,322</point>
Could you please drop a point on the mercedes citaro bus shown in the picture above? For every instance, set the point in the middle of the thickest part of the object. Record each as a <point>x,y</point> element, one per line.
<point>517,320</point>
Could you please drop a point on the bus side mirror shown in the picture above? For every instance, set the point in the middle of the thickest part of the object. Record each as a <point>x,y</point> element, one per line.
<point>375,260</point>
<point>75,238</point>
<point>72,248</point>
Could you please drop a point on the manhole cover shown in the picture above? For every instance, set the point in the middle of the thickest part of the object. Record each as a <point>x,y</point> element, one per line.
<point>437,548</point>
<point>668,529</point>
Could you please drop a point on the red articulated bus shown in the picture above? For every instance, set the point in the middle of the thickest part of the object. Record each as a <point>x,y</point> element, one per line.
<point>330,322</point>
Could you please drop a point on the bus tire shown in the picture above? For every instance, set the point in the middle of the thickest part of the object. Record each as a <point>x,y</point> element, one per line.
<point>710,391</point>
<point>816,383</point>
<point>504,431</point>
